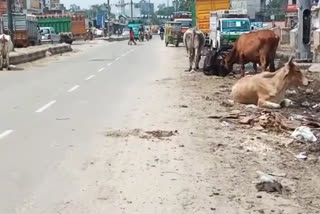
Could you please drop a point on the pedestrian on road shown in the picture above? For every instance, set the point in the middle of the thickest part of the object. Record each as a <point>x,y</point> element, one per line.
<point>131,37</point>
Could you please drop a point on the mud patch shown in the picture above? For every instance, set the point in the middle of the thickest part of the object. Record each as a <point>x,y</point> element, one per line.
<point>154,134</point>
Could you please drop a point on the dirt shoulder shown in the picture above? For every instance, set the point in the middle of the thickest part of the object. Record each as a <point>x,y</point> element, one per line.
<point>175,153</point>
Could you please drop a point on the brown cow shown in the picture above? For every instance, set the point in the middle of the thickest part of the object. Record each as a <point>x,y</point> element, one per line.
<point>258,47</point>
<point>268,89</point>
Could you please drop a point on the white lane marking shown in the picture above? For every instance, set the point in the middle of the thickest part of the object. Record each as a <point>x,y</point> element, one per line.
<point>5,133</point>
<point>46,106</point>
<point>117,59</point>
<point>124,54</point>
<point>90,77</point>
<point>101,69</point>
<point>74,88</point>
<point>109,64</point>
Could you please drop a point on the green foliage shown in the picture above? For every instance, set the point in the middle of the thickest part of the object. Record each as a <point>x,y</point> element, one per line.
<point>164,11</point>
<point>182,5</point>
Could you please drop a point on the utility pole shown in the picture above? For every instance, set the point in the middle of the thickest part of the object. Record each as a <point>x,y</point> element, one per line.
<point>303,52</point>
<point>10,21</point>
<point>109,14</point>
<point>131,8</point>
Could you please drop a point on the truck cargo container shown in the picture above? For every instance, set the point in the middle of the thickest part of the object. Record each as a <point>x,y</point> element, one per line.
<point>201,12</point>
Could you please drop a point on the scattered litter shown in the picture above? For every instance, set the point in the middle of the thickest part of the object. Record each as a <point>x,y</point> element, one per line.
<point>291,92</point>
<point>224,124</point>
<point>305,104</point>
<point>48,53</point>
<point>268,183</point>
<point>304,134</point>
<point>265,177</point>
<point>317,106</point>
<point>228,103</point>
<point>302,156</point>
<point>251,106</point>
<point>309,91</point>
<point>278,174</point>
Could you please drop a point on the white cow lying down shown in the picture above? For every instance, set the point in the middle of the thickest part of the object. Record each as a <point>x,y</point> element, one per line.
<point>6,46</point>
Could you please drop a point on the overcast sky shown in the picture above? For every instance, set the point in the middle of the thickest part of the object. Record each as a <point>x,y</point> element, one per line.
<point>87,3</point>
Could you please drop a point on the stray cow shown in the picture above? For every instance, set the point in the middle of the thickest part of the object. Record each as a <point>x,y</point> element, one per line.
<point>268,89</point>
<point>194,41</point>
<point>6,46</point>
<point>258,47</point>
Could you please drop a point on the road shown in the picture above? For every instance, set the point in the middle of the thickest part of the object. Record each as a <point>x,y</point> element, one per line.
<point>112,128</point>
<point>54,117</point>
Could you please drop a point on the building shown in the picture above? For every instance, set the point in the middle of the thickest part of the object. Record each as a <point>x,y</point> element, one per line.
<point>254,8</point>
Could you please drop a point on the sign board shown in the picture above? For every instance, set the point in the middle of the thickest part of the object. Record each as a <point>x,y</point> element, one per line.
<point>272,17</point>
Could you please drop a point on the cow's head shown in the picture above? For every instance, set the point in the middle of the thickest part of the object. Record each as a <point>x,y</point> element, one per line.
<point>293,75</point>
<point>229,60</point>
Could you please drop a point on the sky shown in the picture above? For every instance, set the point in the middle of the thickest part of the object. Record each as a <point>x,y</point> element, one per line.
<point>86,3</point>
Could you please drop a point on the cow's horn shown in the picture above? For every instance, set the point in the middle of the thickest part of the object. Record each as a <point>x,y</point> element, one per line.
<point>290,60</point>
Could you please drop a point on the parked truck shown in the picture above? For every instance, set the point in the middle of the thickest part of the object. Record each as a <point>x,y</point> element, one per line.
<point>201,13</point>
<point>226,26</point>
<point>69,27</point>
<point>25,27</point>
<point>185,18</point>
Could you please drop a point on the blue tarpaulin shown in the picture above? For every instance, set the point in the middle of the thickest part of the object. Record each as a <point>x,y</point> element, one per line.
<point>101,17</point>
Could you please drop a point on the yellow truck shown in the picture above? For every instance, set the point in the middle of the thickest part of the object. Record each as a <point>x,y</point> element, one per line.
<point>201,12</point>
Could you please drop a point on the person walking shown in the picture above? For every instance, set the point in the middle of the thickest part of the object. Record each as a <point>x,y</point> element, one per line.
<point>131,37</point>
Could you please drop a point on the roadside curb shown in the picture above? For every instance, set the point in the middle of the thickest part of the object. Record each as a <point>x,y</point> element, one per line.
<point>38,54</point>
<point>284,57</point>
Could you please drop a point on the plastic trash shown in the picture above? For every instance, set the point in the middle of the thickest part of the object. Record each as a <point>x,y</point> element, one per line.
<point>304,134</point>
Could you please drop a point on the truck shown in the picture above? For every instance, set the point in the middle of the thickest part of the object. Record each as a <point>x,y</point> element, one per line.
<point>201,12</point>
<point>25,27</point>
<point>226,26</point>
<point>185,18</point>
<point>69,27</point>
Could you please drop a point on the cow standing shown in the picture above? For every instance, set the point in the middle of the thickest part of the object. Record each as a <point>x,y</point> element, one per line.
<point>194,41</point>
<point>258,47</point>
<point>6,46</point>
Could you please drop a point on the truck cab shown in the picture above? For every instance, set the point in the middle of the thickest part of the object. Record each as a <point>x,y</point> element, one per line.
<point>226,27</point>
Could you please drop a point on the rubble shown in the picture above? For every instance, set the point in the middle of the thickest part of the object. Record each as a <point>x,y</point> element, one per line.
<point>302,156</point>
<point>305,104</point>
<point>304,134</point>
<point>268,183</point>
<point>309,91</point>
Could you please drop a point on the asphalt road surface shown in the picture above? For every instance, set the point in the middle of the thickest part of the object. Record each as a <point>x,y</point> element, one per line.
<point>54,114</point>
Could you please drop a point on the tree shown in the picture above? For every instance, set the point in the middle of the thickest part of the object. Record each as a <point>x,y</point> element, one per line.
<point>167,11</point>
<point>276,8</point>
<point>183,5</point>
<point>161,6</point>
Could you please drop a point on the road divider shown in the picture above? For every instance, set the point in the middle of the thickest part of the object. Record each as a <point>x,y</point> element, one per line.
<point>24,55</point>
